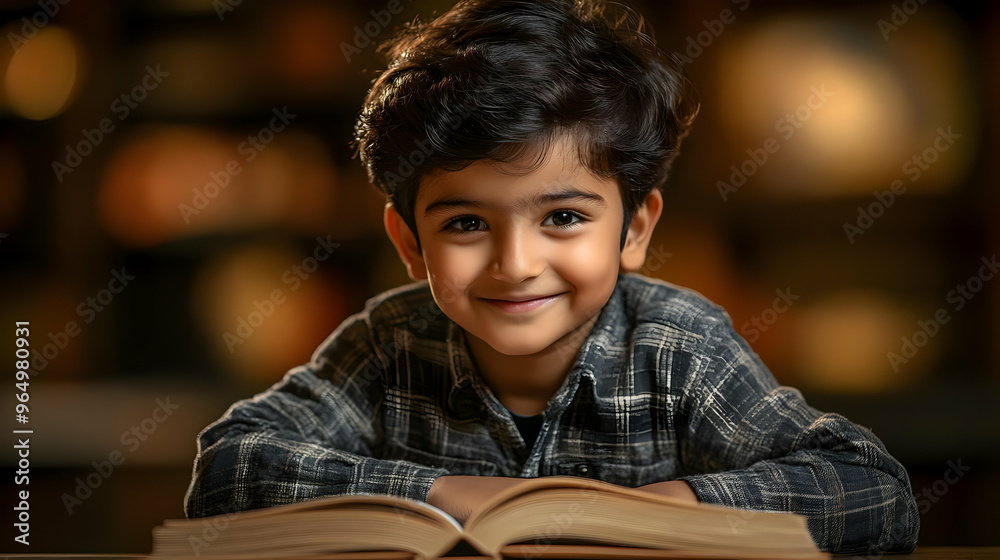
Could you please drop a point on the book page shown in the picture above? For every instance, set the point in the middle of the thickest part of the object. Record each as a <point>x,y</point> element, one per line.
<point>334,524</point>
<point>584,484</point>
<point>353,501</point>
<point>554,509</point>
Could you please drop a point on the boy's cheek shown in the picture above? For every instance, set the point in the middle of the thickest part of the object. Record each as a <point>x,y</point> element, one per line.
<point>449,284</point>
<point>591,264</point>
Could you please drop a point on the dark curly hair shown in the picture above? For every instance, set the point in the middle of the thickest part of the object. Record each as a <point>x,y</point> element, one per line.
<point>501,79</point>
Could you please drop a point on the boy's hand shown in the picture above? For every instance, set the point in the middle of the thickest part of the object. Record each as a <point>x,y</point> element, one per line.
<point>461,496</point>
<point>672,488</point>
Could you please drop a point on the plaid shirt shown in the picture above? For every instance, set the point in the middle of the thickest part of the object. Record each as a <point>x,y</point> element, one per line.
<point>662,389</point>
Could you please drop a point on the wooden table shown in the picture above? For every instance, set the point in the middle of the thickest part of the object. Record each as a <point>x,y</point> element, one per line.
<point>950,553</point>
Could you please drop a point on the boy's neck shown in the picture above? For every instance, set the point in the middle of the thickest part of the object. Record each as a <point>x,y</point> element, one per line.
<point>525,384</point>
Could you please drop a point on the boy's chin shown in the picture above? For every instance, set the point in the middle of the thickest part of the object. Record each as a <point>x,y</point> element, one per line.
<point>521,346</point>
<point>518,349</point>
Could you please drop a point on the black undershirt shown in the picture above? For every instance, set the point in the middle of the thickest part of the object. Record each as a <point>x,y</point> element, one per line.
<point>529,426</point>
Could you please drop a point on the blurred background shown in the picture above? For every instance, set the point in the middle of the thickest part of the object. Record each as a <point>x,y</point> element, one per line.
<point>182,220</point>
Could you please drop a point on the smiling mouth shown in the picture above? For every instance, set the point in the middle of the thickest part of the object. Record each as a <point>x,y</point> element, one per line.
<point>520,306</point>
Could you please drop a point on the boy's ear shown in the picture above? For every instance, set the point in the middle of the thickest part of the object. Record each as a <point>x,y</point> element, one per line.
<point>405,242</point>
<point>640,231</point>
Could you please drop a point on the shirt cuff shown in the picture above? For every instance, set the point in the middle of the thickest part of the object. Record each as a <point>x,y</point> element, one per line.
<point>741,490</point>
<point>395,478</point>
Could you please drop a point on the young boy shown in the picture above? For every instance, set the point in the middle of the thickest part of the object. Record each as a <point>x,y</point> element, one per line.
<point>521,145</point>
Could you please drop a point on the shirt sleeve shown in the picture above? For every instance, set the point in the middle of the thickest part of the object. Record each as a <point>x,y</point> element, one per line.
<point>752,444</point>
<point>315,433</point>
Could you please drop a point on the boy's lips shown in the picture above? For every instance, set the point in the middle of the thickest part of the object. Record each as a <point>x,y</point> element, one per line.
<point>520,304</point>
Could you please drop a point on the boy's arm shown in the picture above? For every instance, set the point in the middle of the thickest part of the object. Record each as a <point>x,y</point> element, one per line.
<point>313,434</point>
<point>769,450</point>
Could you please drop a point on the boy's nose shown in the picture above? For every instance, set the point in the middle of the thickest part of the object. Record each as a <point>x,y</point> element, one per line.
<point>517,257</point>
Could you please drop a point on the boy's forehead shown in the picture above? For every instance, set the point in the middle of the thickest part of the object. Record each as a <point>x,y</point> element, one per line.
<point>484,184</point>
<point>558,175</point>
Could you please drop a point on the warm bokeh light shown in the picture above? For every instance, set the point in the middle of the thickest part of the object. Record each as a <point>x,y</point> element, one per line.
<point>170,182</point>
<point>154,173</point>
<point>43,74</point>
<point>176,164</point>
<point>265,308</point>
<point>692,255</point>
<point>846,108</point>
<point>295,185</point>
<point>841,344</point>
<point>305,50</point>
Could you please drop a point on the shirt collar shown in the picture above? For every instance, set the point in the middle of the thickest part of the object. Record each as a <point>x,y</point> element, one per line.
<point>599,360</point>
<point>462,399</point>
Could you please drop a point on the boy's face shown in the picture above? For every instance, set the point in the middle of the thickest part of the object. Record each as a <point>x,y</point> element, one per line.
<point>519,257</point>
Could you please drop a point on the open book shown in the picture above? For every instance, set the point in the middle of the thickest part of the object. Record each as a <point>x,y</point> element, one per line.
<point>553,517</point>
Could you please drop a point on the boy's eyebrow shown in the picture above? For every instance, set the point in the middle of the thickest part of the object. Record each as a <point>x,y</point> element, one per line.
<point>440,206</point>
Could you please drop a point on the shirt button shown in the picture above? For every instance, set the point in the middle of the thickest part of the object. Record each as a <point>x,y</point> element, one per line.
<point>583,470</point>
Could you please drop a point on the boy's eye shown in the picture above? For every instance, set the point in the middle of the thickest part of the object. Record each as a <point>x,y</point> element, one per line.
<point>465,223</point>
<point>562,218</point>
